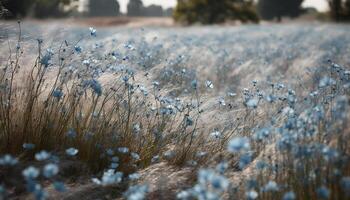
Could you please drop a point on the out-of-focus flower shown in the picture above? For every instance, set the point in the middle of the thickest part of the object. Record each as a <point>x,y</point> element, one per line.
<point>42,155</point>
<point>30,173</point>
<point>8,160</point>
<point>72,151</point>
<point>50,170</point>
<point>238,144</point>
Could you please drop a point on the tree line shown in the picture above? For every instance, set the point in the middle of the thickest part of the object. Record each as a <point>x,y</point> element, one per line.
<point>187,11</point>
<point>61,8</point>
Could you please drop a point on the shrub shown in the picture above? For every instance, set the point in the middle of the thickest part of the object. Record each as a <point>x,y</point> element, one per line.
<point>210,11</point>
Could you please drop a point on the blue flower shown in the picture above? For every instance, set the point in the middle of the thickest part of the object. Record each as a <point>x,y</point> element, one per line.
<point>216,134</point>
<point>221,167</point>
<point>194,84</point>
<point>209,84</point>
<point>238,144</point>
<point>57,93</point>
<point>72,151</point>
<point>78,49</point>
<point>155,159</point>
<point>189,121</point>
<point>134,176</point>
<point>251,195</point>
<point>94,85</point>
<point>50,170</point>
<point>109,177</point>
<point>271,186</point>
<point>46,59</point>
<point>28,146</point>
<point>345,185</point>
<point>323,192</point>
<point>71,133</point>
<point>30,173</point>
<point>123,150</point>
<point>8,160</point>
<point>42,155</point>
<point>135,156</point>
<point>137,192</point>
<point>93,32</point>
<point>252,103</point>
<point>244,160</point>
<point>110,152</point>
<point>289,196</point>
<point>59,186</point>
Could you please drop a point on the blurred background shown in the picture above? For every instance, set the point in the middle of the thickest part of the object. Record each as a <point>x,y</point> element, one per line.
<point>180,11</point>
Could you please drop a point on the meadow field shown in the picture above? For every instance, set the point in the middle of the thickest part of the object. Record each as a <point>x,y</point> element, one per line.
<point>165,112</point>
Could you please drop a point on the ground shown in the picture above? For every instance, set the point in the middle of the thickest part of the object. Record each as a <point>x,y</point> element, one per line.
<point>230,57</point>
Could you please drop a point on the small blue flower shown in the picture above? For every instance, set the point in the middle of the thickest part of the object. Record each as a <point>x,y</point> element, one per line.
<point>94,85</point>
<point>57,93</point>
<point>271,186</point>
<point>209,84</point>
<point>28,146</point>
<point>30,173</point>
<point>72,151</point>
<point>50,170</point>
<point>114,165</point>
<point>135,156</point>
<point>46,59</point>
<point>189,121</point>
<point>42,155</point>
<point>244,160</point>
<point>289,196</point>
<point>8,160</point>
<point>216,135</point>
<point>251,195</point>
<point>59,186</point>
<point>345,185</point>
<point>134,176</point>
<point>252,103</point>
<point>194,84</point>
<point>238,144</point>
<point>71,133</point>
<point>93,32</point>
<point>137,192</point>
<point>78,49</point>
<point>323,192</point>
<point>123,150</point>
<point>155,159</point>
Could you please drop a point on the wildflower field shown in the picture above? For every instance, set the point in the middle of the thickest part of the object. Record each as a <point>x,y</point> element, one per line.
<point>212,112</point>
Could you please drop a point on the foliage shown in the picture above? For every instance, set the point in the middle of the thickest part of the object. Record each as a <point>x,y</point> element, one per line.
<point>104,8</point>
<point>214,11</point>
<point>135,8</point>
<point>339,9</point>
<point>39,8</point>
<point>17,7</point>
<point>271,9</point>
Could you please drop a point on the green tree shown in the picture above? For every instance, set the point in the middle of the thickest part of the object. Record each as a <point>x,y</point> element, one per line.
<point>339,9</point>
<point>40,8</point>
<point>276,9</point>
<point>135,8</point>
<point>104,8</point>
<point>17,8</point>
<point>214,11</point>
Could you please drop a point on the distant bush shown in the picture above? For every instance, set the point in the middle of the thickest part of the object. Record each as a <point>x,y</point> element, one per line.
<point>214,11</point>
<point>37,8</point>
<point>271,9</point>
<point>135,8</point>
<point>339,10</point>
<point>104,8</point>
